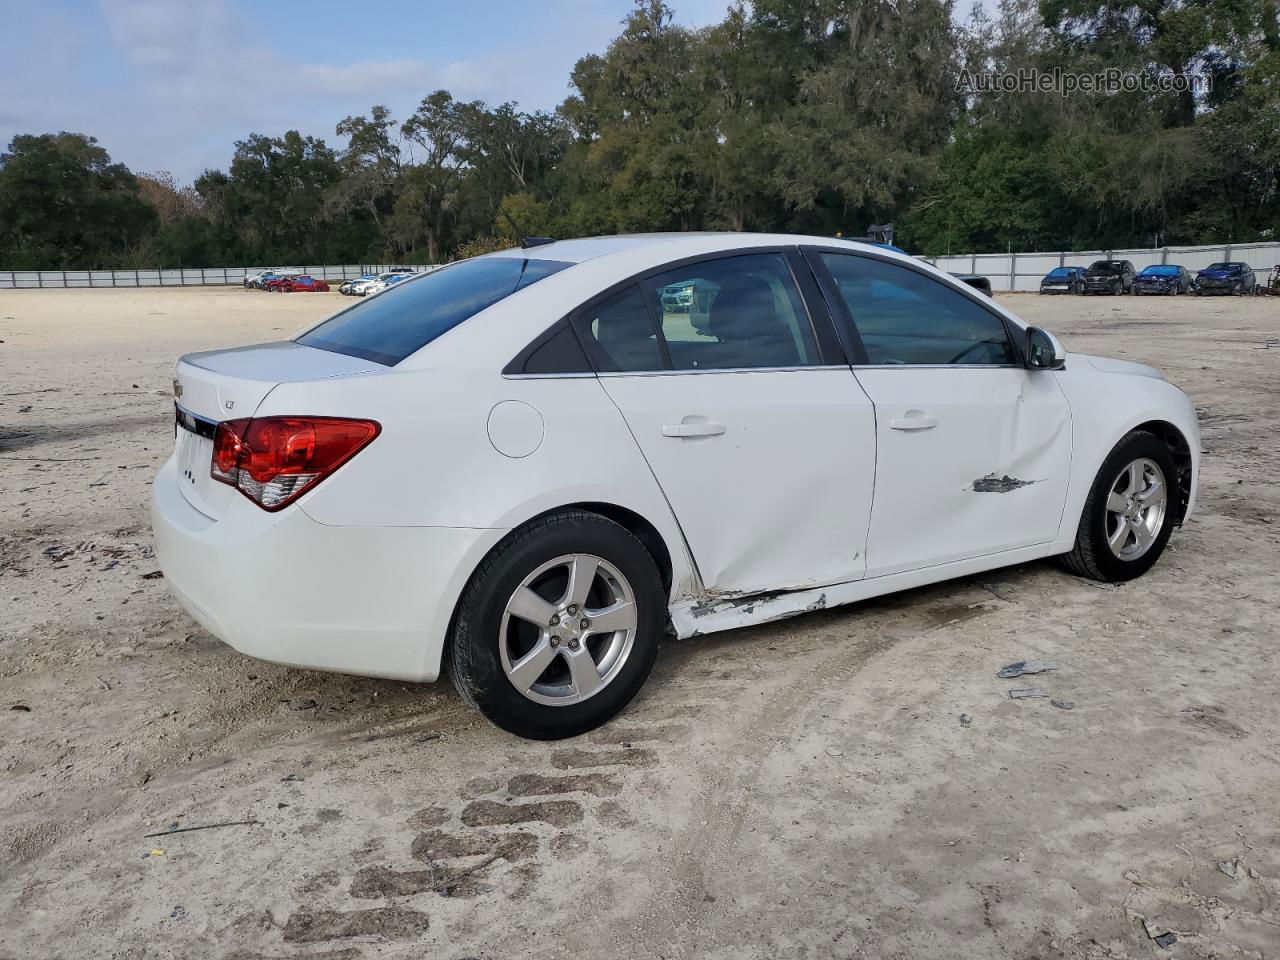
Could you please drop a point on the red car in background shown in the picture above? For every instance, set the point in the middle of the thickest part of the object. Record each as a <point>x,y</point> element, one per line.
<point>300,284</point>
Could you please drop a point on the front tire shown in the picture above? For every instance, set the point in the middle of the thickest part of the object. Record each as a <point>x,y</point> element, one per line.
<point>1128,515</point>
<point>559,627</point>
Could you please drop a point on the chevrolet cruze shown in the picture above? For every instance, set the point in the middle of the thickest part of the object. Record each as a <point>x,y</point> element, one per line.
<point>525,468</point>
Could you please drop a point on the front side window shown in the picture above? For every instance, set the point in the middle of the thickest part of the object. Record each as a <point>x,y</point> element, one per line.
<point>906,317</point>
<point>408,315</point>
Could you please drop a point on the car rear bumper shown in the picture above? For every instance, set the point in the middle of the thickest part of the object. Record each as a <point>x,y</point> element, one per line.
<point>371,601</point>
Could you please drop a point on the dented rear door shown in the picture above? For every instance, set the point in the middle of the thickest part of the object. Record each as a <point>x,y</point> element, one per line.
<point>970,461</point>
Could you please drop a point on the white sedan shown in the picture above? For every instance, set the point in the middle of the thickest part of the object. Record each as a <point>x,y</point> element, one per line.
<point>525,468</point>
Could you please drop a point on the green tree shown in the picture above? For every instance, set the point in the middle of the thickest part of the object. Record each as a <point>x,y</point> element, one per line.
<point>63,203</point>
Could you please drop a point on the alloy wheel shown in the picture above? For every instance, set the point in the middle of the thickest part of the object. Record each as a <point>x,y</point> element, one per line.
<point>568,629</point>
<point>1136,507</point>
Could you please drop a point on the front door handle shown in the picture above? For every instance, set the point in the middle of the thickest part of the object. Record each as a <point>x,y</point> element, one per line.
<point>914,421</point>
<point>697,428</point>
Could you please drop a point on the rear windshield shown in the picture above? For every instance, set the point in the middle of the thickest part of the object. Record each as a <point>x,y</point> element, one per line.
<point>1159,271</point>
<point>406,317</point>
<point>1057,273</point>
<point>1233,267</point>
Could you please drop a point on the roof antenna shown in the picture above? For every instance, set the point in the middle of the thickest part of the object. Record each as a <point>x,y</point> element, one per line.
<point>525,241</point>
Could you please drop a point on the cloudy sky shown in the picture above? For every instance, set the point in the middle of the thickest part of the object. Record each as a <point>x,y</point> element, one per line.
<point>169,85</point>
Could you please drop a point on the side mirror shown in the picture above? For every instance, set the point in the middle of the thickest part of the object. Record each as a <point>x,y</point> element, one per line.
<point>1044,352</point>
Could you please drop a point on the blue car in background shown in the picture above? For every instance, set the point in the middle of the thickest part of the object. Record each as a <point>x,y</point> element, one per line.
<point>1162,278</point>
<point>1232,278</point>
<point>1063,280</point>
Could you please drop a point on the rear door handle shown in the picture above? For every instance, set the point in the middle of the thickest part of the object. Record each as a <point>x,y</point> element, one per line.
<point>916,422</point>
<point>698,428</point>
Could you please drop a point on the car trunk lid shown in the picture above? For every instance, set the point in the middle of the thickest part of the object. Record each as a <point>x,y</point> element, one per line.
<point>219,385</point>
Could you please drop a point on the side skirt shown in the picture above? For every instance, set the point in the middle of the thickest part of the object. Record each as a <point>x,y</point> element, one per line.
<point>694,616</point>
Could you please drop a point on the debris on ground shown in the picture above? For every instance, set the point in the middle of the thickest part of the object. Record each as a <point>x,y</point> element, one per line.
<point>965,720</point>
<point>1063,704</point>
<point>1230,868</point>
<point>1025,667</point>
<point>207,826</point>
<point>1027,693</point>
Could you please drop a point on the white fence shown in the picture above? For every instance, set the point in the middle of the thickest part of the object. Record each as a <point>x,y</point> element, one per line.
<point>194,277</point>
<point>1021,272</point>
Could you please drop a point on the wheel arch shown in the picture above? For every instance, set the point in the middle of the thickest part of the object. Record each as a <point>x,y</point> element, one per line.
<point>635,523</point>
<point>1180,450</point>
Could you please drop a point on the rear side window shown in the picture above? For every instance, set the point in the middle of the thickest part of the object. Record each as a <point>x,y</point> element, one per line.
<point>906,317</point>
<point>734,313</point>
<point>406,317</point>
<point>728,313</point>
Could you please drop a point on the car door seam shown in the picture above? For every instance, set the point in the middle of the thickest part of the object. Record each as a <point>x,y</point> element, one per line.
<point>693,560</point>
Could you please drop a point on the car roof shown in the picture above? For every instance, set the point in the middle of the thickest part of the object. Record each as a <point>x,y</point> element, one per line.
<point>690,243</point>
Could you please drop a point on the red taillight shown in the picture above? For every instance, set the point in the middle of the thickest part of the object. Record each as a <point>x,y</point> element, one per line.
<point>274,460</point>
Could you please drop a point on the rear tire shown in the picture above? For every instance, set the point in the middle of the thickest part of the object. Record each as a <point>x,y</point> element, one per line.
<point>523,650</point>
<point>1111,546</point>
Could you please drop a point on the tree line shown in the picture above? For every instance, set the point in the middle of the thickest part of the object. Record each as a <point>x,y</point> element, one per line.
<point>813,116</point>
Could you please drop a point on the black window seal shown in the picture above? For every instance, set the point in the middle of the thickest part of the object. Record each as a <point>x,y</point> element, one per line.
<point>653,307</point>
<point>1011,330</point>
<point>846,329</point>
<point>831,349</point>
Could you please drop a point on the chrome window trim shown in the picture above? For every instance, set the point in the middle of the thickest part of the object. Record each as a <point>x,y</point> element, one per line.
<point>937,366</point>
<point>700,372</point>
<point>792,369</point>
<point>549,376</point>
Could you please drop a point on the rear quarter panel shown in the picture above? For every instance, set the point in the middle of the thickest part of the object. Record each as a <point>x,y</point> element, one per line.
<point>435,464</point>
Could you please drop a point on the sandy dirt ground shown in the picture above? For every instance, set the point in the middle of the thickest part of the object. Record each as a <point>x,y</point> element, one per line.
<point>851,783</point>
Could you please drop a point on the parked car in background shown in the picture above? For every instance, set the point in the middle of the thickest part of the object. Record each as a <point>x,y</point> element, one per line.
<point>521,466</point>
<point>1231,277</point>
<point>382,281</point>
<point>1063,280</point>
<point>1162,278</point>
<point>277,281</point>
<point>259,281</point>
<point>348,287</point>
<point>303,284</point>
<point>1109,276</point>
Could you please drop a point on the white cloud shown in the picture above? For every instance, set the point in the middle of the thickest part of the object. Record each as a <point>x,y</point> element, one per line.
<point>172,84</point>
